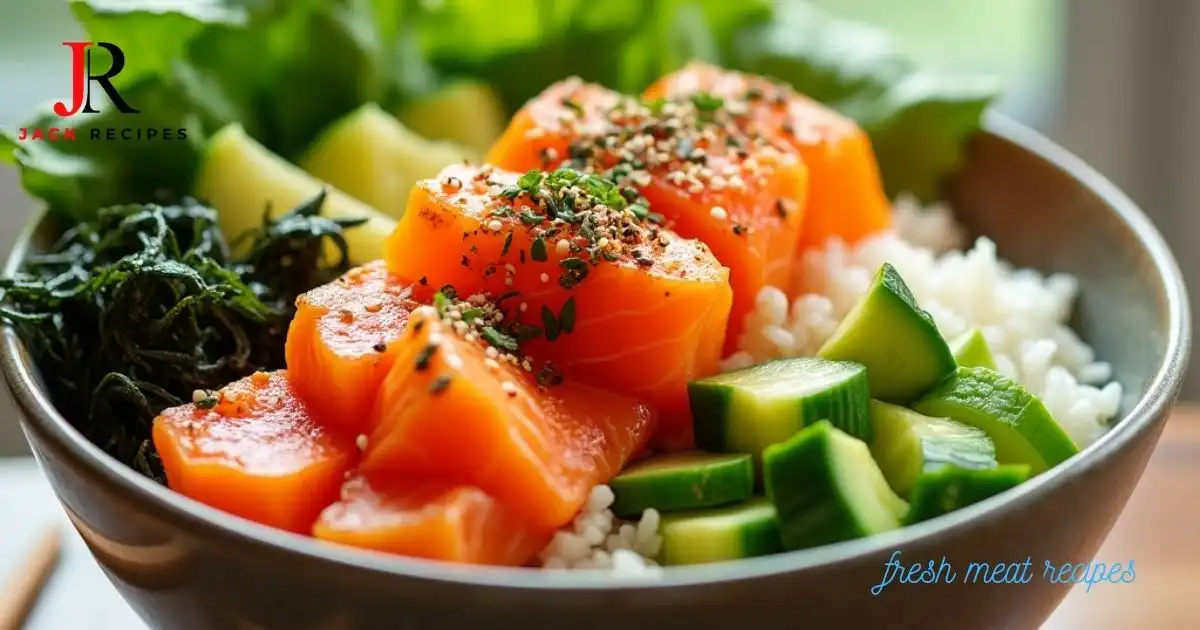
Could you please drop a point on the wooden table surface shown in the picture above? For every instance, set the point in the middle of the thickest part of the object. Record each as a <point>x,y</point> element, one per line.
<point>1159,531</point>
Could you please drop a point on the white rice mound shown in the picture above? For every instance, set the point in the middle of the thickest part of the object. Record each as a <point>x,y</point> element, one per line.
<point>1022,314</point>
<point>598,540</point>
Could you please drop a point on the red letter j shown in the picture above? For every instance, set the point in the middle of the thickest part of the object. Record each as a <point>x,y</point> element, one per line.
<point>78,79</point>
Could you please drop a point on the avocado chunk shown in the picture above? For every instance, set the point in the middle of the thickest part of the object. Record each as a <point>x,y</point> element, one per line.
<point>887,331</point>
<point>742,530</point>
<point>683,481</point>
<point>242,179</point>
<point>826,488</point>
<point>746,410</point>
<point>971,349</point>
<point>372,157</point>
<point>1019,424</point>
<point>465,112</point>
<point>907,444</point>
<point>951,488</point>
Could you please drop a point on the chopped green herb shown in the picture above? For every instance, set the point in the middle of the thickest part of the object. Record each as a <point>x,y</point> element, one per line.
<point>549,324</point>
<point>538,250</point>
<point>566,317</point>
<point>471,314</point>
<point>440,302</point>
<point>531,181</point>
<point>529,218</point>
<point>548,376</point>
<point>706,102</point>
<point>209,400</point>
<point>499,339</point>
<point>525,332</point>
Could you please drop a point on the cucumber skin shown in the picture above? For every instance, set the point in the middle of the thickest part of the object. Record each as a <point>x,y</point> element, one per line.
<point>946,489</point>
<point>889,292</point>
<point>760,538</point>
<point>809,517</point>
<point>716,485</point>
<point>711,404</point>
<point>971,392</point>
<point>931,447</point>
<point>712,407</point>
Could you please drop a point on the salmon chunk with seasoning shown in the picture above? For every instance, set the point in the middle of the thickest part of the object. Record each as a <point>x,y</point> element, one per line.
<point>429,520</point>
<point>694,162</point>
<point>845,193</point>
<point>256,450</point>
<point>601,289</point>
<point>461,408</point>
<point>342,342</point>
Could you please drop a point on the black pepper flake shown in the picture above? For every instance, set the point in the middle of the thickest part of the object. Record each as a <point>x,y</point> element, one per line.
<point>522,256</point>
<point>740,229</point>
<point>417,326</point>
<point>781,208</point>
<point>466,262</point>
<point>507,244</point>
<point>380,347</point>
<point>538,250</point>
<point>424,356</point>
<point>423,281</point>
<point>439,385</point>
<point>789,128</point>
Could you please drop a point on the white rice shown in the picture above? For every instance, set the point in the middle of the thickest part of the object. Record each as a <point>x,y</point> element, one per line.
<point>598,540</point>
<point>1023,316</point>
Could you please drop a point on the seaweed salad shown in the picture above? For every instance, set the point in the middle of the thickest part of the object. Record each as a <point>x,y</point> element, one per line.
<point>146,303</point>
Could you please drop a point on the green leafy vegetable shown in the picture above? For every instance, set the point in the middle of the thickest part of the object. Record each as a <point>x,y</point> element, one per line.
<point>918,121</point>
<point>132,312</point>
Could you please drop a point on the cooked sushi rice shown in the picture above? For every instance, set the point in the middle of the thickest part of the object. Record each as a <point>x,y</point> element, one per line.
<point>1022,313</point>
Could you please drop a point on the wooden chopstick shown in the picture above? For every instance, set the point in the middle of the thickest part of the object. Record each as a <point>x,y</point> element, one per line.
<point>22,591</point>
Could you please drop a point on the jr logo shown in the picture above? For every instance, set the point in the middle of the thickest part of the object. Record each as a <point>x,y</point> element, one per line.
<point>82,80</point>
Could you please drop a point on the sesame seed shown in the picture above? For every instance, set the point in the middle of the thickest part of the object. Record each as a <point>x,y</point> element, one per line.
<point>495,225</point>
<point>562,247</point>
<point>491,352</point>
<point>198,395</point>
<point>545,277</point>
<point>524,307</point>
<point>508,388</point>
<point>491,364</point>
<point>361,442</point>
<point>508,282</point>
<point>719,213</point>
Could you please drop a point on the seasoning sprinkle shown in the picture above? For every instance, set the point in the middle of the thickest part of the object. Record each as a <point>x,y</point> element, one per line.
<point>508,238</point>
<point>424,356</point>
<point>439,385</point>
<point>566,317</point>
<point>550,325</point>
<point>538,250</point>
<point>380,347</point>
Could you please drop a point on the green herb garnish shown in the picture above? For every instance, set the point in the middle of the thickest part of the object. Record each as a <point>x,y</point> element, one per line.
<point>549,324</point>
<point>566,316</point>
<point>538,249</point>
<point>498,339</point>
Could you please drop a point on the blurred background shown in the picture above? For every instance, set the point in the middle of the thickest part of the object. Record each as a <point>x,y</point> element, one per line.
<point>1110,79</point>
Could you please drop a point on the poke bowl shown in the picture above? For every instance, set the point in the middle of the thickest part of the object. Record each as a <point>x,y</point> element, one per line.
<point>688,357</point>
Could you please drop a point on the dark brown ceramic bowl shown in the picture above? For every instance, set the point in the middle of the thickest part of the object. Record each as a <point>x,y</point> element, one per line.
<point>184,566</point>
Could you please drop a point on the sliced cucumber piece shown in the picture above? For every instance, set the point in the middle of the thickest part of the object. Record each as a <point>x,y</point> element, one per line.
<point>241,179</point>
<point>1018,423</point>
<point>950,488</point>
<point>465,112</point>
<point>743,530</point>
<point>826,488</point>
<point>971,349</point>
<point>372,157</point>
<point>907,444</point>
<point>683,481</point>
<point>886,331</point>
<point>749,409</point>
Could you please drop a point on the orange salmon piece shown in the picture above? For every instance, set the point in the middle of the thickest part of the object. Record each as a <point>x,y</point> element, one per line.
<point>743,196</point>
<point>342,342</point>
<point>845,193</point>
<point>259,453</point>
<point>450,412</point>
<point>648,315</point>
<point>429,520</point>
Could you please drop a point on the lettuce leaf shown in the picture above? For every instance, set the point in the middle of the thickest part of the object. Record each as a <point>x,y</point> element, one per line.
<point>918,121</point>
<point>286,70</point>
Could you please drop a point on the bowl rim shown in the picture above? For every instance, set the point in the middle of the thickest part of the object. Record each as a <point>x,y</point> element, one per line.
<point>202,521</point>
